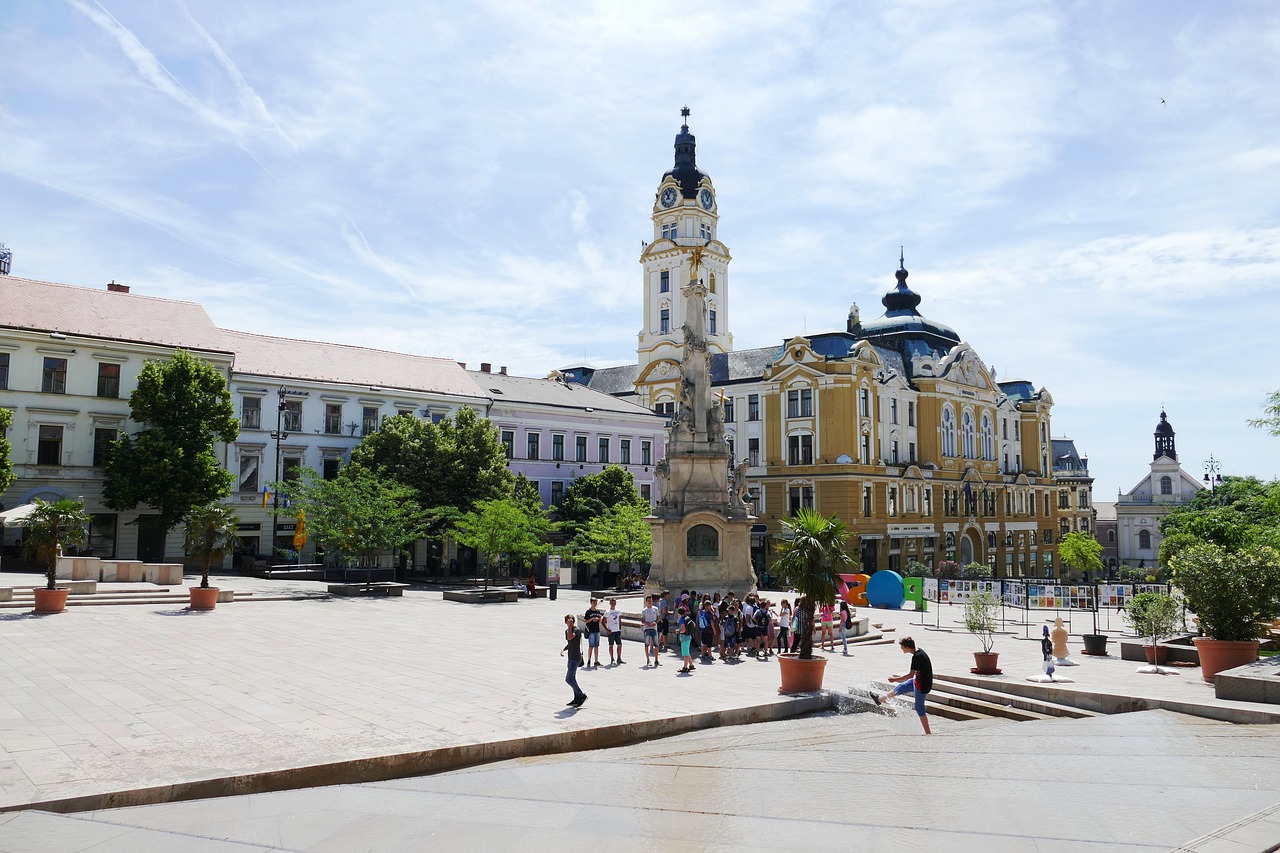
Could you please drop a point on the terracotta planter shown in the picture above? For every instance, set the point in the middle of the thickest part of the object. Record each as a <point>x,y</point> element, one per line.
<point>51,600</point>
<point>1095,644</point>
<point>1156,655</point>
<point>801,676</point>
<point>204,598</point>
<point>986,663</point>
<point>1220,655</point>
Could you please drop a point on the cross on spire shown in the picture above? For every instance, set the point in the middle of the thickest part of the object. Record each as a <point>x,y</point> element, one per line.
<point>902,258</point>
<point>684,112</point>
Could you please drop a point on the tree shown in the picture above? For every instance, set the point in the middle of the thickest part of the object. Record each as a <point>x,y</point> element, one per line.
<point>170,465</point>
<point>1240,513</point>
<point>49,526</point>
<point>502,526</point>
<point>210,536</point>
<point>591,496</point>
<point>6,452</point>
<point>1081,552</point>
<point>620,534</point>
<point>1232,593</point>
<point>1271,423</point>
<point>812,548</point>
<point>358,513</point>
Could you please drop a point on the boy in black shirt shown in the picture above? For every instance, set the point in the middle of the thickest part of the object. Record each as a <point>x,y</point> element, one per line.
<point>592,618</point>
<point>919,680</point>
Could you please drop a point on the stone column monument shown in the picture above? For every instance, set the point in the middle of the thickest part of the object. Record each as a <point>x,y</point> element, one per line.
<point>702,523</point>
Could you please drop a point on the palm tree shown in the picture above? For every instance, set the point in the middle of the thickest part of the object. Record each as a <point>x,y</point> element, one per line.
<point>50,525</point>
<point>210,536</point>
<point>813,547</point>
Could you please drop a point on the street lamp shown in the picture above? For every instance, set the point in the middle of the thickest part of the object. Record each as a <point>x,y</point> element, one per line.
<point>279,435</point>
<point>1212,479</point>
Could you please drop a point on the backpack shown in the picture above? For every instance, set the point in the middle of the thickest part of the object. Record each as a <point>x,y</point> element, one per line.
<point>704,621</point>
<point>762,618</point>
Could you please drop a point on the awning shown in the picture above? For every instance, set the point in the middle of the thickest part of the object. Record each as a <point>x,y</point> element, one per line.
<point>14,517</point>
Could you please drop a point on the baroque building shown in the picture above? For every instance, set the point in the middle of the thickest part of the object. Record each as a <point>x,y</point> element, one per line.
<point>893,424</point>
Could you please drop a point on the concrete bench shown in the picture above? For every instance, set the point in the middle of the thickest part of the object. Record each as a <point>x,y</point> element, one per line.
<point>493,595</point>
<point>123,571</point>
<point>79,568</point>
<point>351,590</point>
<point>162,574</point>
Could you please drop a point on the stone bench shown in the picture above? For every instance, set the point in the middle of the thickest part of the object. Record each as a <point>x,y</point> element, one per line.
<point>351,590</point>
<point>123,571</point>
<point>162,574</point>
<point>493,595</point>
<point>79,568</point>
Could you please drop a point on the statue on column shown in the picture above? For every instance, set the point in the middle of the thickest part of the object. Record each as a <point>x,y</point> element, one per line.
<point>740,492</point>
<point>662,479</point>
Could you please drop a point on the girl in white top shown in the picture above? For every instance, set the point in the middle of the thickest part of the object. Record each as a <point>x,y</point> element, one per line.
<point>784,625</point>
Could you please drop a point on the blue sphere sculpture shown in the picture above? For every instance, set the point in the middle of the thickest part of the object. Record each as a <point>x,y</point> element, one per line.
<point>885,589</point>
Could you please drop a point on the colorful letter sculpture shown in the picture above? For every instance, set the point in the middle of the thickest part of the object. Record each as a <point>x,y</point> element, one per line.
<point>885,589</point>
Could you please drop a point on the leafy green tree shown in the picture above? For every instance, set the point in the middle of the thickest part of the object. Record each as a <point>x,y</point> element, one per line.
<point>620,534</point>
<point>1239,513</point>
<point>170,465</point>
<point>1232,593</point>
<point>1081,552</point>
<point>503,527</point>
<point>1271,423</point>
<point>6,452</point>
<point>591,496</point>
<point>50,525</point>
<point>810,556</point>
<point>358,513</point>
<point>210,536</point>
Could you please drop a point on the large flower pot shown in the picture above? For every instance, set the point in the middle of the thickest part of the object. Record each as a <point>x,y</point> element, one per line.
<point>1156,655</point>
<point>1095,644</point>
<point>204,598</point>
<point>801,676</point>
<point>986,663</point>
<point>1220,655</point>
<point>51,600</point>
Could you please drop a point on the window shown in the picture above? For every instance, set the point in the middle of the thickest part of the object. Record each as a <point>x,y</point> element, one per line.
<point>664,322</point>
<point>911,451</point>
<point>864,450</point>
<point>333,418</point>
<point>291,466</point>
<point>728,410</point>
<point>704,231</point>
<point>49,448</point>
<point>557,448</point>
<point>1048,537</point>
<point>248,480</point>
<point>753,407</point>
<point>866,501</point>
<point>753,452</point>
<point>793,404</point>
<point>988,440</point>
<point>4,370</point>
<point>928,501</point>
<point>664,281</point>
<point>732,450</point>
<point>1084,498</point>
<point>911,413</point>
<point>893,501</point>
<point>893,410</point>
<point>55,376</point>
<point>799,497</point>
<point>800,449</point>
<point>1166,485</point>
<point>646,453</point>
<point>991,540</point>
<point>712,276</point>
<point>604,450</point>
<point>509,443</point>
<point>1064,499</point>
<point>624,451</point>
<point>531,445</point>
<point>108,379</point>
<point>330,467</point>
<point>102,439</point>
<point>864,403</point>
<point>646,492</point>
<point>369,420</point>
<point>669,230</point>
<point>806,403</point>
<point>1144,540</point>
<point>580,448</point>
<point>711,321</point>
<point>1111,537</point>
<point>668,409</point>
<point>948,433</point>
<point>250,413</point>
<point>557,492</point>
<point>292,415</point>
<point>893,452</point>
<point>1004,428</point>
<point>967,434</point>
<point>102,535</point>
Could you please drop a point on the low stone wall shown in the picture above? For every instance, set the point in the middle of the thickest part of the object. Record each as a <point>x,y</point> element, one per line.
<point>119,571</point>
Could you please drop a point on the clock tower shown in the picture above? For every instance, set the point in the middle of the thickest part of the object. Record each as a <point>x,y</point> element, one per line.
<point>685,249</point>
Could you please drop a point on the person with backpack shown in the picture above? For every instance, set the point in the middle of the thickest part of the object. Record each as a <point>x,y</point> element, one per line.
<point>730,628</point>
<point>684,630</point>
<point>763,618</point>
<point>706,628</point>
<point>846,623</point>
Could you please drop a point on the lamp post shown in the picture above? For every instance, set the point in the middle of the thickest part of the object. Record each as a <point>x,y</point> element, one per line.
<point>1212,479</point>
<point>279,435</point>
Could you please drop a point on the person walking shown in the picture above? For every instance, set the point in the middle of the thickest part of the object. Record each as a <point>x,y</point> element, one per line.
<point>573,647</point>
<point>684,630</point>
<point>918,680</point>
<point>827,618</point>
<point>649,623</point>
<point>784,626</point>
<point>664,620</point>
<point>613,624</point>
<point>592,618</point>
<point>846,622</point>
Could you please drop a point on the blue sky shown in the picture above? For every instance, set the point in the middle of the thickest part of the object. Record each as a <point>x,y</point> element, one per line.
<point>474,180</point>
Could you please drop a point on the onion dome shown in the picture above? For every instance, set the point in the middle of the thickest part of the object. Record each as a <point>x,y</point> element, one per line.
<point>686,167</point>
<point>905,324</point>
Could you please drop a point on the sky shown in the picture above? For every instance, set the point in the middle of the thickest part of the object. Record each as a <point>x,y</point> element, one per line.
<point>1086,191</point>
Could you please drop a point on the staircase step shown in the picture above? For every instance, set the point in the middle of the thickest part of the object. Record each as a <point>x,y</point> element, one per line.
<point>951,712</point>
<point>993,693</point>
<point>989,708</point>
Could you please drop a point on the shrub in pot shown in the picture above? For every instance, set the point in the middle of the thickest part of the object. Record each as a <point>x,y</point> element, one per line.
<point>1233,593</point>
<point>50,527</point>
<point>1154,616</point>
<point>811,554</point>
<point>210,537</point>
<point>977,571</point>
<point>980,614</point>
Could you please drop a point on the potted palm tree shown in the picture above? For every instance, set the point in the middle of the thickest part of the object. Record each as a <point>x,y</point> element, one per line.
<point>1153,615</point>
<point>1232,593</point>
<point>210,536</point>
<point>980,614</point>
<point>811,554</point>
<point>51,526</point>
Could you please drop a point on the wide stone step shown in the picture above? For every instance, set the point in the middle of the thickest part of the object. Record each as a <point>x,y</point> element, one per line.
<point>994,707</point>
<point>951,712</point>
<point>994,694</point>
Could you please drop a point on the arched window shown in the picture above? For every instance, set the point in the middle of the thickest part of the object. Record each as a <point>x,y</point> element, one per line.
<point>713,282</point>
<point>966,429</point>
<point>1111,537</point>
<point>988,439</point>
<point>1166,485</point>
<point>948,432</point>
<point>1144,540</point>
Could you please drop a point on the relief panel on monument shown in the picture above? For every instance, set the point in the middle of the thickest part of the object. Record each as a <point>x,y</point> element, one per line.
<point>702,540</point>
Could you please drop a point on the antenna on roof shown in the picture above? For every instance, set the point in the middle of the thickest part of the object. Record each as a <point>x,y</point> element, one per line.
<point>6,259</point>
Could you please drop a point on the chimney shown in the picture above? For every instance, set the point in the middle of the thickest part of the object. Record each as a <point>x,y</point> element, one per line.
<point>462,364</point>
<point>485,367</point>
<point>117,288</point>
<point>502,370</point>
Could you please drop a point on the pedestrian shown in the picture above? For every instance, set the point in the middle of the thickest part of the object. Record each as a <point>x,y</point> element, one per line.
<point>613,624</point>
<point>846,622</point>
<point>798,624</point>
<point>706,629</point>
<point>730,628</point>
<point>763,619</point>
<point>919,680</point>
<point>827,618</point>
<point>592,617</point>
<point>684,630</point>
<point>532,586</point>
<point>649,623</point>
<point>573,647</point>
<point>784,625</point>
<point>664,620</point>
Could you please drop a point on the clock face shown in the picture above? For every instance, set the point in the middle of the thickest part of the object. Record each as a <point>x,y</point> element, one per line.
<point>668,196</point>
<point>707,201</point>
